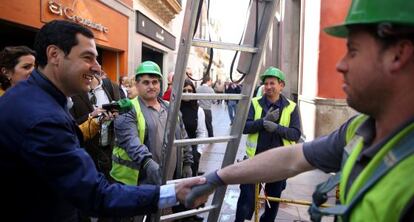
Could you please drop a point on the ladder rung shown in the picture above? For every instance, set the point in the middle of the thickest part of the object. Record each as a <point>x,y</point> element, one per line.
<point>212,96</point>
<point>217,139</point>
<point>221,45</point>
<point>188,213</point>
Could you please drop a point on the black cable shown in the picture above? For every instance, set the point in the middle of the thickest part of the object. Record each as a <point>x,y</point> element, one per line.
<point>210,60</point>
<point>240,42</point>
<point>200,6</point>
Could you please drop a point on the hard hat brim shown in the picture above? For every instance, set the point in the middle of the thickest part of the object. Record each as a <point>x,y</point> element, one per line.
<point>263,77</point>
<point>149,73</point>
<point>340,31</point>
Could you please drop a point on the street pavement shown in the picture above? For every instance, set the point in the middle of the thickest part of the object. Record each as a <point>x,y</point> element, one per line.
<point>298,188</point>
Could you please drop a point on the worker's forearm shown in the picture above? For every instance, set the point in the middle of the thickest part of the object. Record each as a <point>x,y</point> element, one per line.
<point>272,165</point>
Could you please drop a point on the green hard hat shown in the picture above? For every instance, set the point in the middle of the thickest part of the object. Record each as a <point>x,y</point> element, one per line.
<point>273,72</point>
<point>375,12</point>
<point>148,67</point>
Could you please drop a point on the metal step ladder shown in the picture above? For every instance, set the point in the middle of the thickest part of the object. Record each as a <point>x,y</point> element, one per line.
<point>254,55</point>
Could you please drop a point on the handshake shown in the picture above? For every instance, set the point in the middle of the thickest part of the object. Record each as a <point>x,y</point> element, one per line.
<point>269,120</point>
<point>195,191</point>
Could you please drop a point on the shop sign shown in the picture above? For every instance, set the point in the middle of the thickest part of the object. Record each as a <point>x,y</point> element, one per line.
<point>64,11</point>
<point>152,30</point>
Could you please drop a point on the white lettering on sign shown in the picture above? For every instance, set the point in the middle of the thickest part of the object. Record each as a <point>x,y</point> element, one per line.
<point>61,10</point>
<point>159,36</point>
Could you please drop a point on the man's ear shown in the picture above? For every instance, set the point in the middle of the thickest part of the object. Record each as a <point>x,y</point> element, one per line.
<point>6,73</point>
<point>403,53</point>
<point>53,54</point>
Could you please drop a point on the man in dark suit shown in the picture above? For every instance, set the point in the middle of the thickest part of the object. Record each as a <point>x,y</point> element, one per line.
<point>123,86</point>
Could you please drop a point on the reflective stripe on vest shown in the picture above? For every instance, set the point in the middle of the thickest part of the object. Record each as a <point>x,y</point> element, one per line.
<point>123,168</point>
<point>388,197</point>
<point>251,141</point>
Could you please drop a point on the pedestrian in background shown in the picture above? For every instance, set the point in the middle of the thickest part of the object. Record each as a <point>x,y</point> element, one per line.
<point>232,88</point>
<point>102,91</point>
<point>132,91</point>
<point>194,122</point>
<point>16,64</point>
<point>123,80</point>
<point>218,87</point>
<point>195,126</point>
<point>205,104</point>
<point>167,93</point>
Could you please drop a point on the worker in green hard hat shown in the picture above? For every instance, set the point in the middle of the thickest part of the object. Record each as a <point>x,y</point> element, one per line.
<point>372,153</point>
<point>140,134</point>
<point>273,121</point>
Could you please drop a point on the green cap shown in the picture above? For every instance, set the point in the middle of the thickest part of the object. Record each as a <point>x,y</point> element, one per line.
<point>375,12</point>
<point>148,67</point>
<point>273,72</point>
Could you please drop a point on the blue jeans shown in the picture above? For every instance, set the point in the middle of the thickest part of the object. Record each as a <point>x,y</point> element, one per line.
<point>245,204</point>
<point>231,108</point>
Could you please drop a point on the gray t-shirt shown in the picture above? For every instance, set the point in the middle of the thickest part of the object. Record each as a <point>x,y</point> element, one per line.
<point>205,103</point>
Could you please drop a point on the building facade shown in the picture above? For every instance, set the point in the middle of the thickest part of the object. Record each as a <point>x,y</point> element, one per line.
<point>20,20</point>
<point>154,38</point>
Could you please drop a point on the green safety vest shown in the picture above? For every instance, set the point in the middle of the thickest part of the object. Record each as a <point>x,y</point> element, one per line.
<point>251,141</point>
<point>123,168</point>
<point>388,197</point>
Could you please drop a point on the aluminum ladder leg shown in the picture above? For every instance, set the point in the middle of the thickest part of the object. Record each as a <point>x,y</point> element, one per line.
<point>254,53</point>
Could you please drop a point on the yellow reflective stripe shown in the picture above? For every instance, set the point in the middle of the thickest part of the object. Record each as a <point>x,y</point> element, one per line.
<point>121,172</point>
<point>389,183</point>
<point>367,172</point>
<point>285,119</point>
<point>140,119</point>
<point>357,144</point>
<point>251,141</point>
<point>124,174</point>
<point>353,126</point>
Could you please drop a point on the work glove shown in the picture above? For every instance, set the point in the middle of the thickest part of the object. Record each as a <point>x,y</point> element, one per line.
<point>270,126</point>
<point>152,173</point>
<point>212,182</point>
<point>272,115</point>
<point>187,171</point>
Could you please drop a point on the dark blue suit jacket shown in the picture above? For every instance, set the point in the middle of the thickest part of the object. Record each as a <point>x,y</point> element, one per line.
<point>46,175</point>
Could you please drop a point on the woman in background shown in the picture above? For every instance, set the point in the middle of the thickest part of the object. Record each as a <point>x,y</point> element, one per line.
<point>132,91</point>
<point>194,122</point>
<point>195,125</point>
<point>16,64</point>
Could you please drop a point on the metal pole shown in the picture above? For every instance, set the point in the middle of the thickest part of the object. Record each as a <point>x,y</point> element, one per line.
<point>291,201</point>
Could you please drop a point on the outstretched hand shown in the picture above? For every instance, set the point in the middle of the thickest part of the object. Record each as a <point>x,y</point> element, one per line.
<point>183,188</point>
<point>200,193</point>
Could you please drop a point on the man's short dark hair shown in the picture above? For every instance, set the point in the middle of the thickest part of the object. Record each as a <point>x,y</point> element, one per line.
<point>61,33</point>
<point>385,33</point>
<point>205,79</point>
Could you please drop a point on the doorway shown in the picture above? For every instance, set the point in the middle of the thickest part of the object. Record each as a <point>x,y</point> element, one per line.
<point>13,34</point>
